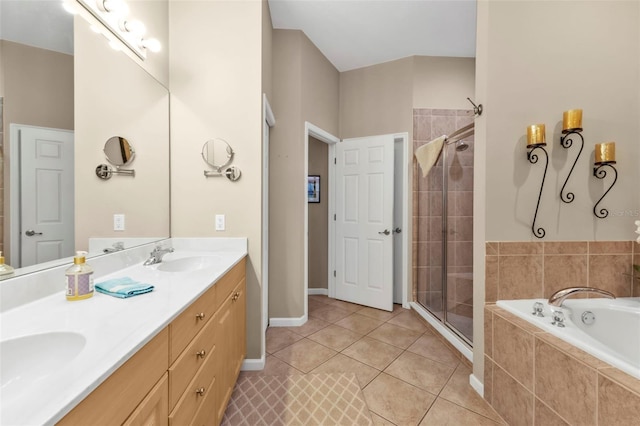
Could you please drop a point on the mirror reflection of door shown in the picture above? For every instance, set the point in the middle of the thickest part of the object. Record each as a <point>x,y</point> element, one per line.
<point>45,200</point>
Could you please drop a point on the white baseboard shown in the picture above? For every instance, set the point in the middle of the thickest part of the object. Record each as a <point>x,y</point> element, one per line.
<point>287,322</point>
<point>253,364</point>
<point>316,291</point>
<point>476,385</point>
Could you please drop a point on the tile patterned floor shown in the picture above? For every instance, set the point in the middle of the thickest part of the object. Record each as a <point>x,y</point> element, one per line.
<point>408,375</point>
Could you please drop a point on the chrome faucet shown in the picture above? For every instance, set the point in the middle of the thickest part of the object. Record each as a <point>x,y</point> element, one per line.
<point>156,255</point>
<point>115,247</point>
<point>559,296</point>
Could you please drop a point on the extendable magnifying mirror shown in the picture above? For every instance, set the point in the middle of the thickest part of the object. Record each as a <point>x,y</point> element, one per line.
<point>218,154</point>
<point>118,152</point>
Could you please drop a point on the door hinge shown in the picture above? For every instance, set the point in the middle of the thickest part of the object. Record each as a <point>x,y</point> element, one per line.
<point>334,273</point>
<point>335,160</point>
<point>334,217</point>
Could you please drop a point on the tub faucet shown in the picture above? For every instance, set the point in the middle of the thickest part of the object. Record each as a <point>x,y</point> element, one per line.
<point>558,297</point>
<point>156,255</point>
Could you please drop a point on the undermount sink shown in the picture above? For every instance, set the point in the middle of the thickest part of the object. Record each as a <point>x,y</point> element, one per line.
<point>28,359</point>
<point>188,264</point>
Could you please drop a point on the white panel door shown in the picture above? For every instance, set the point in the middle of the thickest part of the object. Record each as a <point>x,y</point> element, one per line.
<point>47,198</point>
<point>364,220</point>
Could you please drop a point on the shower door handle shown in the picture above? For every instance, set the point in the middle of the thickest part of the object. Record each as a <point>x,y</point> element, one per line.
<point>385,232</point>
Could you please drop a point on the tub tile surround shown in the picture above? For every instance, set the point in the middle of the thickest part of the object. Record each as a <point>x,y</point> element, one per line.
<point>534,378</point>
<point>532,270</point>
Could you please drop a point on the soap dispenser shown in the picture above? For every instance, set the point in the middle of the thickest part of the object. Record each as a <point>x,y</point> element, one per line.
<point>79,278</point>
<point>4,268</point>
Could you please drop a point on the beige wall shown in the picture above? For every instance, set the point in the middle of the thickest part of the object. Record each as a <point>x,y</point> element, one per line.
<point>38,91</point>
<point>267,50</point>
<point>443,83</point>
<point>115,97</point>
<point>39,86</point>
<point>305,88</point>
<point>586,57</point>
<point>216,92</point>
<point>377,100</point>
<point>572,64</point>
<point>318,216</point>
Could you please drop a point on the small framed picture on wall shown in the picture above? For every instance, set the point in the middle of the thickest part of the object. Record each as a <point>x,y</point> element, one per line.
<point>313,189</point>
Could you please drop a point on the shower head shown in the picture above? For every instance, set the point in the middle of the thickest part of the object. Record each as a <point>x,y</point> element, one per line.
<point>461,146</point>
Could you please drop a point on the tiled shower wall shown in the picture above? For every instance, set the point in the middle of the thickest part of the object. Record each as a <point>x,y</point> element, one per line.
<point>429,124</point>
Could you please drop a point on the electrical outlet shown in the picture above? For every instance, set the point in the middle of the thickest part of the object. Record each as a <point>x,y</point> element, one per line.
<point>118,222</point>
<point>219,222</point>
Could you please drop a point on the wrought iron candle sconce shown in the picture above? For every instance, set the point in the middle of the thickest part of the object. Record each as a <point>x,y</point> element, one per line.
<point>605,156</point>
<point>571,125</point>
<point>536,139</point>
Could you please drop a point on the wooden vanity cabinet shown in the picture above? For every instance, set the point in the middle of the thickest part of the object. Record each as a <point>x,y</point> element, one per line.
<point>183,376</point>
<point>120,394</point>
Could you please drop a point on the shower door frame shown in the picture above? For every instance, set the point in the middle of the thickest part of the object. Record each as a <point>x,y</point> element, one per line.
<point>445,249</point>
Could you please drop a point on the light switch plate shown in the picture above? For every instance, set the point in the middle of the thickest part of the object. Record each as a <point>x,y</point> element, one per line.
<point>118,222</point>
<point>219,222</point>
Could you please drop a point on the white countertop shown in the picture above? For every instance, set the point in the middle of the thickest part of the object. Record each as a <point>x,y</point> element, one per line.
<point>114,330</point>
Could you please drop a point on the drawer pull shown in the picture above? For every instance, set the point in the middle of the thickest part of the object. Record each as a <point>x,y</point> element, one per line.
<point>200,391</point>
<point>200,316</point>
<point>235,296</point>
<point>201,353</point>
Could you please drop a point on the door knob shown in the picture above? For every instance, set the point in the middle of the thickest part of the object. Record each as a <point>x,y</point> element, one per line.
<point>31,233</point>
<point>385,232</point>
<point>397,230</point>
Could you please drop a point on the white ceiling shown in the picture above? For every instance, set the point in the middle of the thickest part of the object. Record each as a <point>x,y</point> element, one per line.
<point>39,23</point>
<point>357,33</point>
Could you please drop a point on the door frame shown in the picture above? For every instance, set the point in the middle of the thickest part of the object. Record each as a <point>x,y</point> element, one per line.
<point>331,141</point>
<point>323,136</point>
<point>269,121</point>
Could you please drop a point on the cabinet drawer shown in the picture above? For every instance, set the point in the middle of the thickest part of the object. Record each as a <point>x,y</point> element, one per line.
<point>226,284</point>
<point>190,322</point>
<point>195,394</point>
<point>113,401</point>
<point>190,360</point>
<point>206,415</point>
<point>154,409</point>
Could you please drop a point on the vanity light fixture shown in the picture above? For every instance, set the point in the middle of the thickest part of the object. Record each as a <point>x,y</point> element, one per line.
<point>536,139</point>
<point>133,26</point>
<point>151,43</point>
<point>113,14</point>
<point>69,6</point>
<point>113,6</point>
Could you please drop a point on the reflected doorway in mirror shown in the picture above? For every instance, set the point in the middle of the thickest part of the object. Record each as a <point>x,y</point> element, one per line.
<point>313,189</point>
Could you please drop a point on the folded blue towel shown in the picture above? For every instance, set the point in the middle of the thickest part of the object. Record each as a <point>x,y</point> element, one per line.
<point>123,287</point>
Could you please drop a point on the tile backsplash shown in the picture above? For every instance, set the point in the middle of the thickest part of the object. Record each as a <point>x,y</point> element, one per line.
<point>527,270</point>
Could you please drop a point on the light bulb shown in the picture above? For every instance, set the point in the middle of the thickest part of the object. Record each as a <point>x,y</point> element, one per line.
<point>133,26</point>
<point>118,7</point>
<point>69,7</point>
<point>151,43</point>
<point>114,45</point>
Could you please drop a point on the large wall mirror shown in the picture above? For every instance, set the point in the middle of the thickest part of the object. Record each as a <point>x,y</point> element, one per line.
<point>63,92</point>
